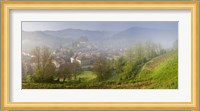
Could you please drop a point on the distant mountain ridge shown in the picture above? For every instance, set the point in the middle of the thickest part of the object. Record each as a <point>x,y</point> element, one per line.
<point>76,33</point>
<point>138,35</point>
<point>129,36</point>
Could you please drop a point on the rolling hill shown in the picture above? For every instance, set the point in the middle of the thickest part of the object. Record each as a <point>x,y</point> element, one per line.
<point>160,73</point>
<point>138,35</point>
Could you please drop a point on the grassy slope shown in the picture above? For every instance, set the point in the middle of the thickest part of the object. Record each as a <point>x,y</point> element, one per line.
<point>160,73</point>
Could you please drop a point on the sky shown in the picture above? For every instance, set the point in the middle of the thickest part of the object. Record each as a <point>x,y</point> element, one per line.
<point>96,25</point>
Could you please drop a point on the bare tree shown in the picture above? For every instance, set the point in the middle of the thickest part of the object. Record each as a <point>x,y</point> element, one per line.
<point>44,69</point>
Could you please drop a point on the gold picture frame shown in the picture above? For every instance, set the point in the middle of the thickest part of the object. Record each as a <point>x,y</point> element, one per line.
<point>8,105</point>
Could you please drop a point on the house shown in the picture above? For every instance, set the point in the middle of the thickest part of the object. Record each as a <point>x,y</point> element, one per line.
<point>83,58</point>
<point>58,61</point>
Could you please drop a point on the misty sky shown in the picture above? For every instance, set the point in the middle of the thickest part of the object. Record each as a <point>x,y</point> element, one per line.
<point>97,25</point>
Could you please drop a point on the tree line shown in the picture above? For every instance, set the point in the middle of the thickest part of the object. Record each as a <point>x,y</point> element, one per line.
<point>45,71</point>
<point>130,63</point>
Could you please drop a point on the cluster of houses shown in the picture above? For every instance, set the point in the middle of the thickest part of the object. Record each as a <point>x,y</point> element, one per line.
<point>85,59</point>
<point>82,51</point>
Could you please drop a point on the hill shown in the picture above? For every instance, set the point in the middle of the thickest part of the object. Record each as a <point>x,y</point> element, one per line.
<point>139,34</point>
<point>38,38</point>
<point>74,34</point>
<point>160,73</point>
<point>118,39</point>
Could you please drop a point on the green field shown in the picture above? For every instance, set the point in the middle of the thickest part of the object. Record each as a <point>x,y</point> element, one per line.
<point>87,76</point>
<point>160,72</point>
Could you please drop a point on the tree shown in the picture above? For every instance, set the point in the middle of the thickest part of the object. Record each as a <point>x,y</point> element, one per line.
<point>65,71</point>
<point>138,52</point>
<point>150,50</point>
<point>129,53</point>
<point>26,71</point>
<point>101,68</point>
<point>37,58</point>
<point>119,63</point>
<point>44,70</point>
<point>76,69</point>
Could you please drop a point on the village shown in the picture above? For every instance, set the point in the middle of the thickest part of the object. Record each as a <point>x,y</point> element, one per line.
<point>82,51</point>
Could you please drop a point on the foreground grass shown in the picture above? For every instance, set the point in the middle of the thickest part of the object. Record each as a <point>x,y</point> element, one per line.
<point>87,76</point>
<point>81,82</point>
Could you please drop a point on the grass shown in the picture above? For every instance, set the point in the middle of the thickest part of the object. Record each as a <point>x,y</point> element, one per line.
<point>166,75</point>
<point>87,76</point>
<point>81,82</point>
<point>42,86</point>
<point>160,73</point>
